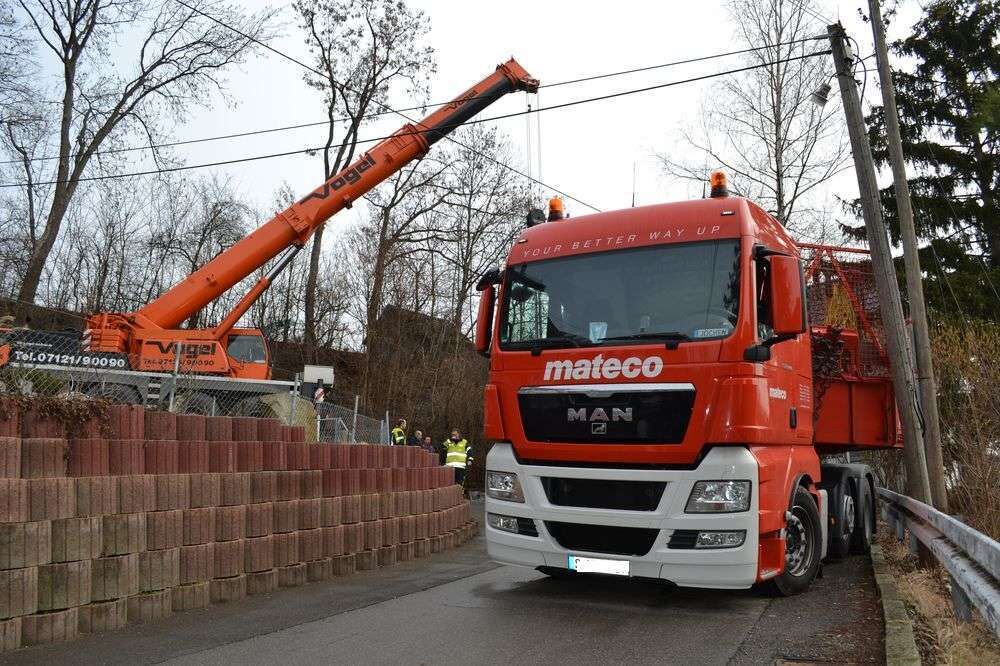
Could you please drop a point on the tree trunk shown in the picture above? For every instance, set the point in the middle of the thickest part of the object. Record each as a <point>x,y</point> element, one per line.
<point>312,280</point>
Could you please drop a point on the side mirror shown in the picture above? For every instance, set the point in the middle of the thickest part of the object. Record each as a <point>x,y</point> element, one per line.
<point>788,309</point>
<point>484,320</point>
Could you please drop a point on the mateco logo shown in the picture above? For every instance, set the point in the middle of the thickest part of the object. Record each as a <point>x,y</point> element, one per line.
<point>604,368</point>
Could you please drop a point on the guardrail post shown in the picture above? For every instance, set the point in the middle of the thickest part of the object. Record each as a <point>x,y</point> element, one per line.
<point>913,544</point>
<point>900,529</point>
<point>960,601</point>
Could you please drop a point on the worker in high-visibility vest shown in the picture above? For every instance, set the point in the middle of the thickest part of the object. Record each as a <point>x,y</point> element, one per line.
<point>398,435</point>
<point>457,454</point>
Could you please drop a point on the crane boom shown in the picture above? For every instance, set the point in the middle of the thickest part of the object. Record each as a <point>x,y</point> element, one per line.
<point>293,227</point>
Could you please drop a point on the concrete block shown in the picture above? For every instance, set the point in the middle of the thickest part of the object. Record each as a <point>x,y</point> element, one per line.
<point>53,627</point>
<point>136,494</point>
<point>126,456</point>
<point>190,427</point>
<point>309,513</point>
<point>386,505</point>
<point>373,534</point>
<point>369,507</point>
<point>311,483</point>
<point>286,549</point>
<point>160,425</point>
<point>13,500</point>
<point>197,563</point>
<point>223,590</point>
<point>330,511</point>
<point>320,456</point>
<point>10,634</point>
<point>10,458</point>
<point>289,486</point>
<point>333,541</point>
<point>114,577</point>
<point>63,585</point>
<point>268,429</point>
<point>222,456</point>
<point>25,544</point>
<point>259,519</point>
<point>159,569</point>
<point>344,565</point>
<point>262,582</point>
<point>192,456</point>
<point>88,457</point>
<point>96,496</point>
<point>164,529</point>
<point>286,516</point>
<point>293,575</point>
<point>235,489</point>
<point>258,554</point>
<point>318,570</point>
<point>103,616</point>
<point>354,537</point>
<point>206,490</point>
<point>297,455</point>
<point>229,557</point>
<point>219,428</point>
<point>18,592</point>
<point>332,484</point>
<point>43,457</point>
<point>249,456</point>
<point>263,487</point>
<point>51,499</point>
<point>244,429</point>
<point>150,607</point>
<point>162,456</point>
<point>386,556</point>
<point>274,455</point>
<point>123,533</point>
<point>230,522</point>
<point>75,539</point>
<point>351,509</point>
<point>191,596</point>
<point>310,544</point>
<point>198,525</point>
<point>366,560</point>
<point>38,424</point>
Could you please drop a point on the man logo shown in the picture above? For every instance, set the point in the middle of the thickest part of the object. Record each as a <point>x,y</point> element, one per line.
<point>598,428</point>
<point>599,415</point>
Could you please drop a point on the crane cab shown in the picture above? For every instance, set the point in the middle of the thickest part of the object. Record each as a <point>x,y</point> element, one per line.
<point>249,356</point>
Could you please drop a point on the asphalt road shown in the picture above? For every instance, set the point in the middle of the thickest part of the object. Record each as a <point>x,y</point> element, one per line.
<point>458,607</point>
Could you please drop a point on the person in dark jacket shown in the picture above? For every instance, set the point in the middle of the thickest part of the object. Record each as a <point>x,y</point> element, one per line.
<point>415,439</point>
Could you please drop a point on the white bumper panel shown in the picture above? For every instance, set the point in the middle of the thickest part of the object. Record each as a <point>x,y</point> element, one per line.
<point>730,568</point>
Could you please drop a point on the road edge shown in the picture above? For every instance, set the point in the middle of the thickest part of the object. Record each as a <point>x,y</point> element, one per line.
<point>900,644</point>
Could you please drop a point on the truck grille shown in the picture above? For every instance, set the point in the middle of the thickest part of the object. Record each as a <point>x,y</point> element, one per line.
<point>599,415</point>
<point>683,539</point>
<point>603,538</point>
<point>604,494</point>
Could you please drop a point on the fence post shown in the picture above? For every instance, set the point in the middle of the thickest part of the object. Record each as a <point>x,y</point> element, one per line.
<point>960,601</point>
<point>354,420</point>
<point>388,429</point>
<point>177,369</point>
<point>317,427</point>
<point>295,398</point>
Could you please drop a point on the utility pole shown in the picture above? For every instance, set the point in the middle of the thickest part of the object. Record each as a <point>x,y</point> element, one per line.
<point>914,284</point>
<point>917,485</point>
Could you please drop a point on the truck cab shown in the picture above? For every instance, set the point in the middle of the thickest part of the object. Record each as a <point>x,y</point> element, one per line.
<point>651,398</point>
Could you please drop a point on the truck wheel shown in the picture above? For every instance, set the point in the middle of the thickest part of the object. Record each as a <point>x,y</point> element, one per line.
<point>802,547</point>
<point>844,517</point>
<point>861,541</point>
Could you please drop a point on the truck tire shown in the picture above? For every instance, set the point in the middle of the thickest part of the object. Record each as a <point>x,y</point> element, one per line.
<point>802,547</point>
<point>864,528</point>
<point>843,520</point>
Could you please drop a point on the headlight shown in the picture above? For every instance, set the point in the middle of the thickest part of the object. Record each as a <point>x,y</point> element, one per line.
<point>504,486</point>
<point>505,523</point>
<point>722,539</point>
<point>719,497</point>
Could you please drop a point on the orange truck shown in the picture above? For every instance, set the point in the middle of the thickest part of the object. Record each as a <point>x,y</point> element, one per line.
<point>661,405</point>
<point>150,340</point>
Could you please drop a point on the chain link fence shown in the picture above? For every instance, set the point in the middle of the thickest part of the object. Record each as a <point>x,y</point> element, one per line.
<point>47,363</point>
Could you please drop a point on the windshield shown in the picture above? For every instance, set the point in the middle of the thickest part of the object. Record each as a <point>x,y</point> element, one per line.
<point>664,292</point>
<point>247,348</point>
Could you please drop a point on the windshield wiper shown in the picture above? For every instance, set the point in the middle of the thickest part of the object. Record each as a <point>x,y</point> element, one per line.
<point>671,337</point>
<point>570,339</point>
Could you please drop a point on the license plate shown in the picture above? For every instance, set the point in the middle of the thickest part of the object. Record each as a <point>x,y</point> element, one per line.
<point>594,565</point>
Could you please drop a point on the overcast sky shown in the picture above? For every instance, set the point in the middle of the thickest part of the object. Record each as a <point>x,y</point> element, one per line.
<point>588,150</point>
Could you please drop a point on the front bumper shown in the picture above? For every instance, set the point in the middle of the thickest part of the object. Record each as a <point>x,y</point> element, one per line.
<point>729,568</point>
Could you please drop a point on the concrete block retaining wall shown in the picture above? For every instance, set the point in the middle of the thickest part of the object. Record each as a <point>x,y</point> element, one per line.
<point>147,513</point>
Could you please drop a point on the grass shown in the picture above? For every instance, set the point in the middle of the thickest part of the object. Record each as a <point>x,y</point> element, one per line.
<point>941,638</point>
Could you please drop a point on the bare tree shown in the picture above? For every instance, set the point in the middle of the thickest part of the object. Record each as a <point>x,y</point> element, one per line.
<point>762,127</point>
<point>363,49</point>
<point>15,65</point>
<point>181,56</point>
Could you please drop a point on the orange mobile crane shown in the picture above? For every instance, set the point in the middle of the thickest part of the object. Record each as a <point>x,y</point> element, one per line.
<point>150,339</point>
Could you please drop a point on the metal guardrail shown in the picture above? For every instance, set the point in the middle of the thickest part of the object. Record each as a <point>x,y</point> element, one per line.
<point>971,559</point>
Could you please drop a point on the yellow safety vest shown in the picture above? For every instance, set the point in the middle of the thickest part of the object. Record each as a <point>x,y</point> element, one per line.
<point>398,436</point>
<point>456,453</point>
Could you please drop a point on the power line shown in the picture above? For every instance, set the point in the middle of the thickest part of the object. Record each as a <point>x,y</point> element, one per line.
<point>378,114</point>
<point>187,167</point>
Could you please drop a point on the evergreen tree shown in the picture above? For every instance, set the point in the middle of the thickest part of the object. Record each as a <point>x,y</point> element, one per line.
<point>949,108</point>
